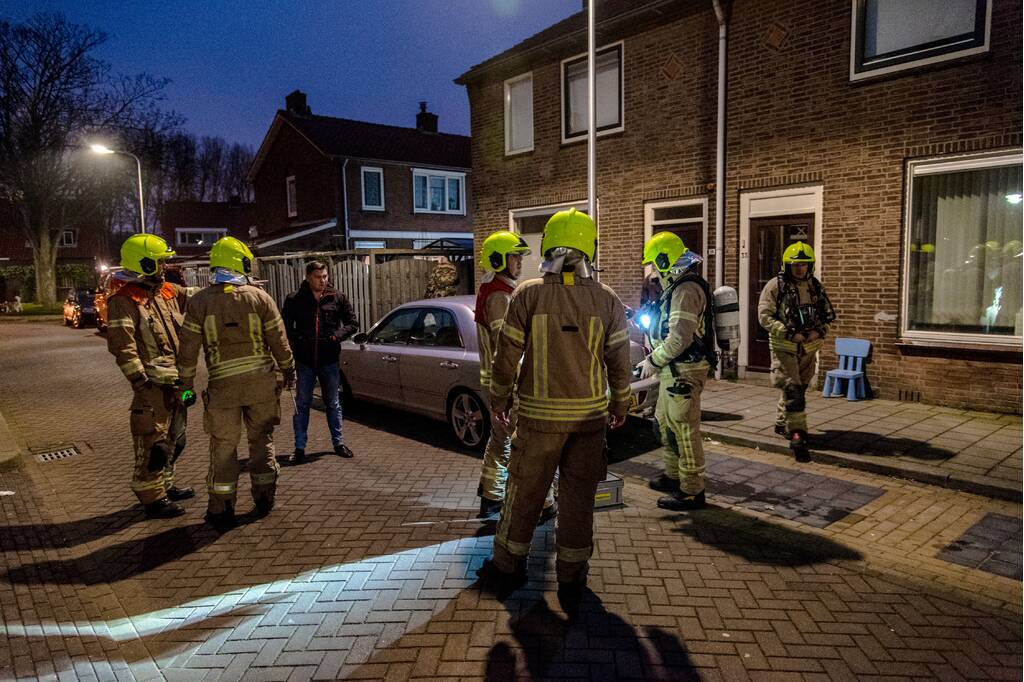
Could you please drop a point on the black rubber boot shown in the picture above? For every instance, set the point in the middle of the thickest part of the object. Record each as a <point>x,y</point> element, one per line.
<point>175,493</point>
<point>490,509</point>
<point>223,521</point>
<point>548,513</point>
<point>780,429</point>
<point>680,501</point>
<point>500,583</point>
<point>570,596</point>
<point>663,483</point>
<point>798,444</point>
<point>164,509</point>
<point>264,506</point>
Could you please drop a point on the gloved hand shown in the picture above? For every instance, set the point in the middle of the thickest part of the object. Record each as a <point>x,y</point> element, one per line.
<point>289,378</point>
<point>141,384</point>
<point>187,397</point>
<point>646,368</point>
<point>501,412</point>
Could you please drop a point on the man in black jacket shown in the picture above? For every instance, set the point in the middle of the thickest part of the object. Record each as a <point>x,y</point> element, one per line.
<point>317,319</point>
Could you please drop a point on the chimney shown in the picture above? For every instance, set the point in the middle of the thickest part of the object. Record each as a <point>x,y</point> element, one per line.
<point>295,103</point>
<point>426,122</point>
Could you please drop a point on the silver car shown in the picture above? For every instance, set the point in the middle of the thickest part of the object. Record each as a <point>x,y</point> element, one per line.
<point>423,357</point>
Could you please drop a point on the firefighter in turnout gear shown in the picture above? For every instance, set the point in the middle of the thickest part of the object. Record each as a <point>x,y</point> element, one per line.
<point>570,334</point>
<point>796,313</point>
<point>144,322</point>
<point>243,338</point>
<point>502,261</point>
<point>682,335</point>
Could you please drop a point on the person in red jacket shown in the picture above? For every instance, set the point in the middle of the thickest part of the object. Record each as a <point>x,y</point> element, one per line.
<point>317,319</point>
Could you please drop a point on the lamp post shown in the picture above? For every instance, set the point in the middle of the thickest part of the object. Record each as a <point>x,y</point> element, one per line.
<point>100,149</point>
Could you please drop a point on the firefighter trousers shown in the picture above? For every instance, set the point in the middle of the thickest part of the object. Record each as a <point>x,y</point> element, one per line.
<point>678,417</point>
<point>494,470</point>
<point>157,426</point>
<point>224,424</point>
<point>791,373</point>
<point>581,459</point>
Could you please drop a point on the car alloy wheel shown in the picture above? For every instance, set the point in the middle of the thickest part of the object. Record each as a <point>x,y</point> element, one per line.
<point>468,419</point>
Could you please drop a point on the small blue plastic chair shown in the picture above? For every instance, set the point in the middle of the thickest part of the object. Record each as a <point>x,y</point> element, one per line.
<point>851,354</point>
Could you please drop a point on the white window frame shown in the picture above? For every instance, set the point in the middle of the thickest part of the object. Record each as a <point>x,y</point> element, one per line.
<point>650,223</point>
<point>508,117</point>
<point>932,166</point>
<point>906,61</point>
<point>180,232</point>
<point>580,137</point>
<point>291,196</point>
<point>363,170</point>
<point>447,175</point>
<point>62,242</point>
<point>369,244</point>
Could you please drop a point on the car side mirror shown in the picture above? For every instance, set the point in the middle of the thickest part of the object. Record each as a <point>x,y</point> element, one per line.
<point>360,338</point>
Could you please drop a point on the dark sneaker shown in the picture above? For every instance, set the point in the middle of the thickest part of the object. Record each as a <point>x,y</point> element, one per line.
<point>680,501</point>
<point>298,457</point>
<point>662,483</point>
<point>164,509</point>
<point>175,493</point>
<point>798,444</point>
<point>343,451</point>
<point>489,508</point>
<point>548,513</point>
<point>497,581</point>
<point>570,596</point>
<point>263,506</point>
<point>780,429</point>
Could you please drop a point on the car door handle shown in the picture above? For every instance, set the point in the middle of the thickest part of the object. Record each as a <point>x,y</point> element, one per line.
<point>389,358</point>
<point>448,364</point>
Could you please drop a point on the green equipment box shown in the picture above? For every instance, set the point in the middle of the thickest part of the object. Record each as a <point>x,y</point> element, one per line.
<point>609,492</point>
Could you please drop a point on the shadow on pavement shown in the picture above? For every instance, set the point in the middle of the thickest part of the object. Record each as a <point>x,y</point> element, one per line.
<point>81,531</point>
<point>599,644</point>
<point>862,443</point>
<point>415,427</point>
<point>760,541</point>
<point>711,416</point>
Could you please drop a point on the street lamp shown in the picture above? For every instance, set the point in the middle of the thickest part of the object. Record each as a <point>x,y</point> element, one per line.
<point>100,149</point>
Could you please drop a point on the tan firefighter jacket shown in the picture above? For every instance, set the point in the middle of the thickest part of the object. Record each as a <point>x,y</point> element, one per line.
<point>143,327</point>
<point>773,315</point>
<point>680,320</point>
<point>243,336</point>
<point>487,335</point>
<point>571,336</point>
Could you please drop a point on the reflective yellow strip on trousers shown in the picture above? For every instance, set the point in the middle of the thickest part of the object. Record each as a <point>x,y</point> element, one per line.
<point>574,555</point>
<point>539,335</point>
<point>264,479</point>
<point>221,488</point>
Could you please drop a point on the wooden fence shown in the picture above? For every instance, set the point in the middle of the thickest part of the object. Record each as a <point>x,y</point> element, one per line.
<point>373,280</point>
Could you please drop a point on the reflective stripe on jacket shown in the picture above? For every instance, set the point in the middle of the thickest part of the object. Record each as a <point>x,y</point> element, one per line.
<point>571,336</point>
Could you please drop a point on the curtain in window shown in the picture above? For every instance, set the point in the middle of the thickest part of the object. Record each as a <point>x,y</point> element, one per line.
<point>606,73</point>
<point>419,190</point>
<point>520,114</point>
<point>965,252</point>
<point>371,189</point>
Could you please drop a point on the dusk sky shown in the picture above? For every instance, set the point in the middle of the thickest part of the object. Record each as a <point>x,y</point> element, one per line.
<point>232,62</point>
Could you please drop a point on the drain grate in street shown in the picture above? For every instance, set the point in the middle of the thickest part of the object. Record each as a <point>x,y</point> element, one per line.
<point>815,500</point>
<point>992,545</point>
<point>54,455</point>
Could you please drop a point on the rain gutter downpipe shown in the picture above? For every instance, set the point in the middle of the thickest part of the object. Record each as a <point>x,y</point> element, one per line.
<point>344,199</point>
<point>591,116</point>
<point>720,153</point>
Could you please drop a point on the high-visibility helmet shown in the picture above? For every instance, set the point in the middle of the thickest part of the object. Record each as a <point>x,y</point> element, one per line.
<point>498,246</point>
<point>663,250</point>
<point>232,254</point>
<point>573,229</point>
<point>798,252</point>
<point>142,253</point>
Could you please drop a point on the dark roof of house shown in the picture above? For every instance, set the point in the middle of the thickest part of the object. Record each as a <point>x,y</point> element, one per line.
<point>345,137</point>
<point>611,16</point>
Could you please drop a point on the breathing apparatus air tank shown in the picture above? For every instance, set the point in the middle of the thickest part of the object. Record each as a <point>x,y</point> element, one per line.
<point>727,318</point>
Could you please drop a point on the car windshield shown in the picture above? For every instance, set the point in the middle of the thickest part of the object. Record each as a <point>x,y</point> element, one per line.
<point>85,300</point>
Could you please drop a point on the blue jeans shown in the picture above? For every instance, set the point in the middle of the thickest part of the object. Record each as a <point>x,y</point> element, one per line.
<point>305,379</point>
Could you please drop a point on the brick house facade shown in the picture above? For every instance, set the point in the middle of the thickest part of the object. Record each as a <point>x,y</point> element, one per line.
<point>191,227</point>
<point>324,182</point>
<point>814,150</point>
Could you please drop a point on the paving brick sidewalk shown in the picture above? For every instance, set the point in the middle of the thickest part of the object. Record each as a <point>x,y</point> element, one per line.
<point>967,450</point>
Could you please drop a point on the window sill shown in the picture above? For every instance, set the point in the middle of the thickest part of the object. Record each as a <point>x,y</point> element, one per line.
<point>966,351</point>
<point>521,152</point>
<point>373,209</point>
<point>601,134</point>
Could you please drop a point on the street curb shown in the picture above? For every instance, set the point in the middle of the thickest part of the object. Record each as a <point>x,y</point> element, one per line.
<point>10,452</point>
<point>28,319</point>
<point>979,485</point>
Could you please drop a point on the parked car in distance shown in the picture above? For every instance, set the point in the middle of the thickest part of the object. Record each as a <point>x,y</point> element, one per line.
<point>80,308</point>
<point>107,286</point>
<point>423,357</point>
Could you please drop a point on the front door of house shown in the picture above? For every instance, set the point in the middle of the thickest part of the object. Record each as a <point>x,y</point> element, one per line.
<point>769,237</point>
